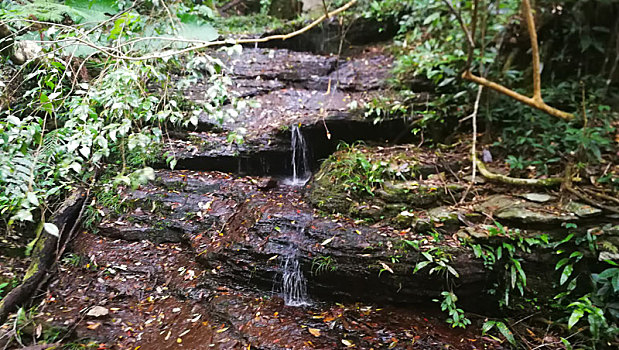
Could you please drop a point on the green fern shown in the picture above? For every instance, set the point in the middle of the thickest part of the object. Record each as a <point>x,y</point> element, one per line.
<point>79,11</point>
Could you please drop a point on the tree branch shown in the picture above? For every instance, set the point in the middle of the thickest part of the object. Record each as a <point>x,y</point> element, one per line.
<point>537,80</point>
<point>553,181</point>
<point>590,201</point>
<point>536,101</point>
<point>532,102</point>
<point>221,42</point>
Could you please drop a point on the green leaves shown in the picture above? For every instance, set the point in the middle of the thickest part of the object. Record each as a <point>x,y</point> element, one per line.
<point>456,315</point>
<point>51,229</point>
<point>503,329</point>
<point>506,332</point>
<point>22,215</point>
<point>420,265</point>
<point>565,275</point>
<point>576,315</point>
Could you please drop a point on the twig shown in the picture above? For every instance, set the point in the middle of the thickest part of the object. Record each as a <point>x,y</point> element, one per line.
<point>474,145</point>
<point>42,346</point>
<point>204,45</point>
<point>324,5</point>
<point>601,195</point>
<point>590,201</point>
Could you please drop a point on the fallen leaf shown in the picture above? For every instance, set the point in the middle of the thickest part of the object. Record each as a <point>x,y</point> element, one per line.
<point>327,241</point>
<point>386,267</point>
<point>314,331</point>
<point>93,326</point>
<point>98,311</point>
<point>348,343</point>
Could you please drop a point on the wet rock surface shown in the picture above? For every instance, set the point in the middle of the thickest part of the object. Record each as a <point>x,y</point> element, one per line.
<point>242,231</point>
<point>322,93</point>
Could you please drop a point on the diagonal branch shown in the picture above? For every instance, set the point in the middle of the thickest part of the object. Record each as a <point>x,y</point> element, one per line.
<point>536,101</point>
<point>220,42</point>
<point>532,102</point>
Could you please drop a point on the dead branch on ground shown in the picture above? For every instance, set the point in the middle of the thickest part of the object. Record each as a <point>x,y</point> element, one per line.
<point>553,181</point>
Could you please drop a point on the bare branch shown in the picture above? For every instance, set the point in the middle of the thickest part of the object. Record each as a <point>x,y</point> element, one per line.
<point>541,105</point>
<point>590,201</point>
<point>537,80</point>
<point>536,101</point>
<point>553,181</point>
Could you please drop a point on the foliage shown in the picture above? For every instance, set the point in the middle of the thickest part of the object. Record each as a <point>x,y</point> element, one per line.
<point>533,139</point>
<point>432,45</point>
<point>66,125</point>
<point>7,285</point>
<point>265,6</point>
<point>505,258</point>
<point>355,171</point>
<point>599,303</point>
<point>78,11</point>
<point>322,264</point>
<point>439,260</point>
<point>502,327</point>
<point>456,315</point>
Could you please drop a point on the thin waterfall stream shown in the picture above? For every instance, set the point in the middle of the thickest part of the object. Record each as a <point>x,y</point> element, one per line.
<point>293,283</point>
<point>294,288</point>
<point>300,160</point>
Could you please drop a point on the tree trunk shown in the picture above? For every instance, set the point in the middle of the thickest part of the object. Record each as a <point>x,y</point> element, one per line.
<point>45,253</point>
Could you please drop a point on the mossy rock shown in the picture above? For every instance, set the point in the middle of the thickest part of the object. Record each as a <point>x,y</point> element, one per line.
<point>333,187</point>
<point>327,195</point>
<point>374,209</point>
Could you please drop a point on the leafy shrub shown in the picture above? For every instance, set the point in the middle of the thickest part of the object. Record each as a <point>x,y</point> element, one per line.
<point>351,167</point>
<point>533,138</point>
<point>62,129</point>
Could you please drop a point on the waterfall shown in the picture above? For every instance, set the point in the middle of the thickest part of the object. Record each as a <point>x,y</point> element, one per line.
<point>300,162</point>
<point>294,284</point>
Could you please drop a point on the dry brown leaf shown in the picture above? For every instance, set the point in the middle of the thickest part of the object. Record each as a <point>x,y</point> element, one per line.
<point>93,326</point>
<point>314,331</point>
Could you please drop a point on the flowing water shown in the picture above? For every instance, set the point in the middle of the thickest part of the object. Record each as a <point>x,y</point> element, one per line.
<point>294,284</point>
<point>300,160</point>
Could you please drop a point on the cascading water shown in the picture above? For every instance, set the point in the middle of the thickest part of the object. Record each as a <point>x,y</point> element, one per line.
<point>300,161</point>
<point>294,284</point>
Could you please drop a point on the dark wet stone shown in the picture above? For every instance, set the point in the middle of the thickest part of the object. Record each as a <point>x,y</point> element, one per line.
<point>266,183</point>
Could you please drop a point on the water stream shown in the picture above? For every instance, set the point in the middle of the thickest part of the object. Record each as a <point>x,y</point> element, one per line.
<point>300,160</point>
<point>294,284</point>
